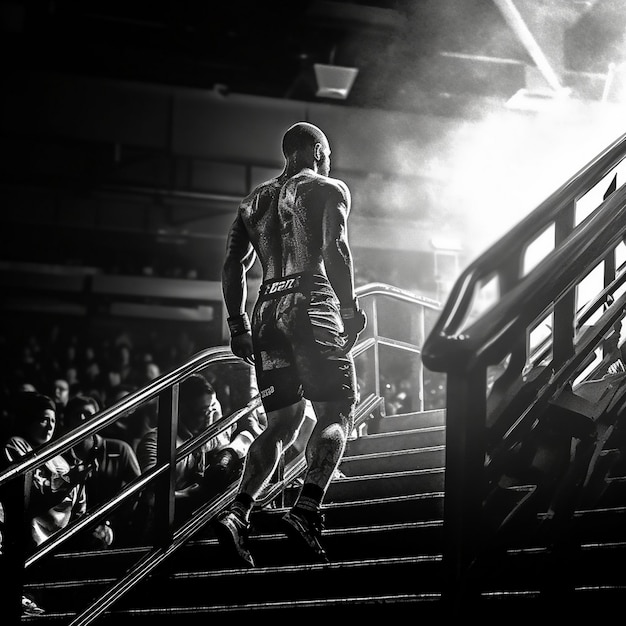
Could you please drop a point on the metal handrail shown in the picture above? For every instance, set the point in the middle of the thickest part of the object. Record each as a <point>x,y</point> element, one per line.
<point>109,415</point>
<point>508,250</point>
<point>490,336</point>
<point>464,349</point>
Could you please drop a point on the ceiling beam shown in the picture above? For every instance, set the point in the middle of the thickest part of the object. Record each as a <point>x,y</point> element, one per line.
<point>516,22</point>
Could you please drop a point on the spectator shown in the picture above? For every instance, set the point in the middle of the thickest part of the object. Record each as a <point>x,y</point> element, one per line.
<point>26,368</point>
<point>57,495</point>
<point>133,424</point>
<point>26,387</point>
<point>110,465</point>
<point>60,395</point>
<point>210,467</point>
<point>148,371</point>
<point>123,362</point>
<point>73,380</point>
<point>57,491</point>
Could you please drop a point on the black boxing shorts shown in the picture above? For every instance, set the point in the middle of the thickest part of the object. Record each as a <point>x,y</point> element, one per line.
<point>297,334</point>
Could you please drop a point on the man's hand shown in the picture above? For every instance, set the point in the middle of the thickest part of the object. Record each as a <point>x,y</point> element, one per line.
<point>241,346</point>
<point>354,322</point>
<point>241,337</point>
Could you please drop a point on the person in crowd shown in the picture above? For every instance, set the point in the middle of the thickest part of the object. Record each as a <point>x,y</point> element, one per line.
<point>26,386</point>
<point>209,468</point>
<point>110,465</point>
<point>134,423</point>
<point>305,322</point>
<point>148,372</point>
<point>26,367</point>
<point>73,379</point>
<point>57,494</point>
<point>57,490</point>
<point>60,395</point>
<point>123,362</point>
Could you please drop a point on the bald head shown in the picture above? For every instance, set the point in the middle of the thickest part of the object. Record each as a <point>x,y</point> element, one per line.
<point>305,145</point>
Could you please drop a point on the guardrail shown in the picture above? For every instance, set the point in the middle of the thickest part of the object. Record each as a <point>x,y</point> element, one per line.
<point>544,327</point>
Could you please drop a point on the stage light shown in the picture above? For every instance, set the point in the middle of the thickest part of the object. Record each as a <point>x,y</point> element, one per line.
<point>334,81</point>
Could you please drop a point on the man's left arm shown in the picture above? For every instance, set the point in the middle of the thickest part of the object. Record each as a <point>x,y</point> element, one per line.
<point>336,249</point>
<point>338,261</point>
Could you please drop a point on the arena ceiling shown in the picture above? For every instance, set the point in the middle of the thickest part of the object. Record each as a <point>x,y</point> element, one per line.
<point>442,56</point>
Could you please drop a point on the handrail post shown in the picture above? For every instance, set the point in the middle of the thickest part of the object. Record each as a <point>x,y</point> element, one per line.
<point>418,327</point>
<point>14,500</point>
<point>565,308</point>
<point>464,478</point>
<point>165,488</point>
<point>376,346</point>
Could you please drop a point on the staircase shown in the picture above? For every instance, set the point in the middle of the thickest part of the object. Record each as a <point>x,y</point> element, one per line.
<point>383,526</point>
<point>384,540</point>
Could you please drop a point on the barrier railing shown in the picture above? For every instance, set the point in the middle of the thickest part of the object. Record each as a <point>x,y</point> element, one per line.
<point>516,330</point>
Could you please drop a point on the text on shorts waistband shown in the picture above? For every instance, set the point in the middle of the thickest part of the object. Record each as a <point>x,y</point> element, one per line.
<point>286,284</point>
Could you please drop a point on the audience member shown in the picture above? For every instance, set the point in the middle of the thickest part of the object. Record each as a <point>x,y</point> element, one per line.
<point>73,379</point>
<point>110,464</point>
<point>133,424</point>
<point>57,495</point>
<point>123,362</point>
<point>148,371</point>
<point>26,368</point>
<point>60,395</point>
<point>212,466</point>
<point>25,387</point>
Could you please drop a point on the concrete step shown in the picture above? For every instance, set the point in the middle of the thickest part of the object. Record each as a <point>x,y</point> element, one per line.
<point>399,461</point>
<point>397,440</point>
<point>410,421</point>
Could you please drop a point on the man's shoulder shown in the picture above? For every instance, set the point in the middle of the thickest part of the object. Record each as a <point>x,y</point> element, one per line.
<point>337,190</point>
<point>340,185</point>
<point>328,183</point>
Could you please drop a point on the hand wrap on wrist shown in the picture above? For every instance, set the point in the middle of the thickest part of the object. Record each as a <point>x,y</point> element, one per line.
<point>239,324</point>
<point>354,321</point>
<point>349,312</point>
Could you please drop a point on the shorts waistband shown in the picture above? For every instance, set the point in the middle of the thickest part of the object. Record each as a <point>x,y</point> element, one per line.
<point>285,284</point>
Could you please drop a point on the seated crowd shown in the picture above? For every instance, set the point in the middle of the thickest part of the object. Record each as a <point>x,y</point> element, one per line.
<point>39,404</point>
<point>71,377</point>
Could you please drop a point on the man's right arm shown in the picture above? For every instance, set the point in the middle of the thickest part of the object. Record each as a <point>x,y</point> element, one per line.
<point>239,259</point>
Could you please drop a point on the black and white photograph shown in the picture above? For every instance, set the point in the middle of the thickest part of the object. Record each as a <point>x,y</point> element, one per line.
<point>410,215</point>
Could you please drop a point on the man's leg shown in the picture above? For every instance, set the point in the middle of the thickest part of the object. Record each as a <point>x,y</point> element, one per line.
<point>324,452</point>
<point>232,525</point>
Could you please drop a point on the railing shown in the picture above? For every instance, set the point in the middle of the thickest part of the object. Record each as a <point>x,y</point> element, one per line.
<point>516,331</point>
<point>398,320</point>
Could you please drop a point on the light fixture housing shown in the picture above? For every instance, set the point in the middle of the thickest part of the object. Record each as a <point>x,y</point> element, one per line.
<point>334,81</point>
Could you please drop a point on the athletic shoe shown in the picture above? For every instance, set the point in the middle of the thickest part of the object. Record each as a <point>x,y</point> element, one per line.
<point>29,607</point>
<point>232,532</point>
<point>306,528</point>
